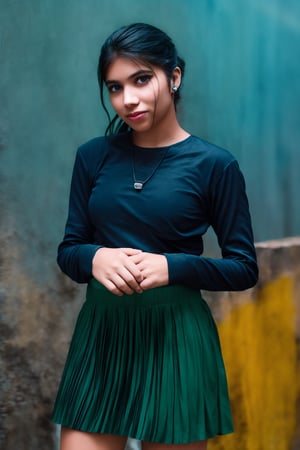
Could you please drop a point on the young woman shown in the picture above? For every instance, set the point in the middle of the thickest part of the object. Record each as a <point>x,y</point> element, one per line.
<point>145,359</point>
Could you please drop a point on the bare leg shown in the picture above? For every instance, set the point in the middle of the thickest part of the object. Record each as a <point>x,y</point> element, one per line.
<point>79,440</point>
<point>201,445</point>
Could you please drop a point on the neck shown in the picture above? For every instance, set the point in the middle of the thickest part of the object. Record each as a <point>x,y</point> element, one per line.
<point>160,137</point>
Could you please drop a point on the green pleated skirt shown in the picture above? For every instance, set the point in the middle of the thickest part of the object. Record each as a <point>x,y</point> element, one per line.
<point>147,366</point>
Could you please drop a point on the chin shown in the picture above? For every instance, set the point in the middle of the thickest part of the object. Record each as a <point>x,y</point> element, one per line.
<point>140,129</point>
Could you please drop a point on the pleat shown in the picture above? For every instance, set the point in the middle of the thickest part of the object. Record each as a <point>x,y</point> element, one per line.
<point>147,366</point>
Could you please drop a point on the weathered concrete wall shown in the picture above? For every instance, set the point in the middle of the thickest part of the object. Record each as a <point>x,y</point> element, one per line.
<point>259,330</point>
<point>34,339</point>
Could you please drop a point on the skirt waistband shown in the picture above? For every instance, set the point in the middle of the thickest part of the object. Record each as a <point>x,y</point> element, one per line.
<point>176,294</point>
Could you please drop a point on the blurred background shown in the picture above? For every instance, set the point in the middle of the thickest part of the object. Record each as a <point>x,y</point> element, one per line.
<point>241,91</point>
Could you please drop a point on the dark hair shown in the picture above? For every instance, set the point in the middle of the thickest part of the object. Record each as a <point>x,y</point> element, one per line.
<point>141,42</point>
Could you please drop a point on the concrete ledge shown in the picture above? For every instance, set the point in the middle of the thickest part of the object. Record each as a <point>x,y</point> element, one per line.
<point>259,331</point>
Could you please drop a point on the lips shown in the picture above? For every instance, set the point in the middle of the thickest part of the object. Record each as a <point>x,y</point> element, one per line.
<point>136,115</point>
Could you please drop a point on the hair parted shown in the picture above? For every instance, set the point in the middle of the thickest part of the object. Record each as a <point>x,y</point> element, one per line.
<point>142,42</point>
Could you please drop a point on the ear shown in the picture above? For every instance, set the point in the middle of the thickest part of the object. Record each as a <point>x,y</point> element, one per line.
<point>176,77</point>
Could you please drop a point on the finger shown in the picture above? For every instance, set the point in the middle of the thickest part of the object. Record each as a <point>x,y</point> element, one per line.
<point>141,261</point>
<point>123,286</point>
<point>148,283</point>
<point>130,280</point>
<point>110,286</point>
<point>131,251</point>
<point>134,270</point>
<point>136,259</point>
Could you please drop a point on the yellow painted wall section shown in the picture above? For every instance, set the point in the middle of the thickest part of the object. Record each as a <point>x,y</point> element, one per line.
<point>260,354</point>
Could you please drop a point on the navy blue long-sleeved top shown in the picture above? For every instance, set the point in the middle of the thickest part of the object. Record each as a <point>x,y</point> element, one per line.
<point>193,185</point>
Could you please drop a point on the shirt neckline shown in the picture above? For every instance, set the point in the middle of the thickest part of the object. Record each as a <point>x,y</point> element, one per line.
<point>164,147</point>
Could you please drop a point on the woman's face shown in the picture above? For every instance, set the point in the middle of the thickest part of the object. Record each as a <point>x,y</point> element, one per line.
<point>141,95</point>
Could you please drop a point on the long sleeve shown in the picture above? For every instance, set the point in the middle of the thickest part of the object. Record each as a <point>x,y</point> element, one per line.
<point>230,219</point>
<point>76,251</point>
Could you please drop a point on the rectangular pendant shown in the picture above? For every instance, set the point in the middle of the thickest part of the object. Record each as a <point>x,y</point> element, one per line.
<point>138,186</point>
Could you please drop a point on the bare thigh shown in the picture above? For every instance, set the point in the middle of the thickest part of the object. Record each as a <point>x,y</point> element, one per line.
<point>201,445</point>
<point>79,440</point>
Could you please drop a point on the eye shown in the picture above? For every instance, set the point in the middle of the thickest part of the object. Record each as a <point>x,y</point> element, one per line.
<point>143,79</point>
<point>112,88</point>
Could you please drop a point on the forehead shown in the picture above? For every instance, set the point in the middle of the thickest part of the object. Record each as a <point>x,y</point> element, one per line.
<point>122,68</point>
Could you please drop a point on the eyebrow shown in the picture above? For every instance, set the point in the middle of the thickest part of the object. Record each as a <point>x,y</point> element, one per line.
<point>134,75</point>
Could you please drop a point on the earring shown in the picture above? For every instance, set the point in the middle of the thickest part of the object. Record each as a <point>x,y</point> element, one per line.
<point>174,89</point>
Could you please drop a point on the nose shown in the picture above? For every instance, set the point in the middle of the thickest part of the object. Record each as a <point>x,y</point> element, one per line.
<point>130,97</point>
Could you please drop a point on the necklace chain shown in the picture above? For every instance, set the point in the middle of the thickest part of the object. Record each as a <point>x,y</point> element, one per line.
<point>139,184</point>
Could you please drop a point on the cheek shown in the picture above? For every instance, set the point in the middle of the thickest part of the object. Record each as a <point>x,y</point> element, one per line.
<point>163,102</point>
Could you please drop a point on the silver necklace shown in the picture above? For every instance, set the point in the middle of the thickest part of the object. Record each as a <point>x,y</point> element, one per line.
<point>139,184</point>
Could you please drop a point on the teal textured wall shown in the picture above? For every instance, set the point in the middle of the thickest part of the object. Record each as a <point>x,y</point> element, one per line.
<point>241,91</point>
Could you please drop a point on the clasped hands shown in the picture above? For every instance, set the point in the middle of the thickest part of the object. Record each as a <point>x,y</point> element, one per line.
<point>128,270</point>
